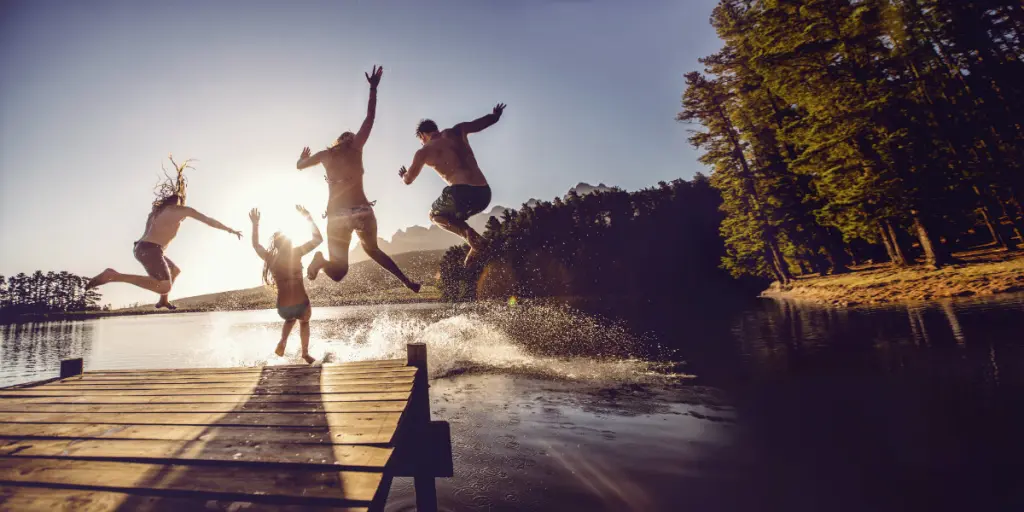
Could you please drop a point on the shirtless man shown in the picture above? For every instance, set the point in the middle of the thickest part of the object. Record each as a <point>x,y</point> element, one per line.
<point>161,227</point>
<point>348,209</point>
<point>467,193</point>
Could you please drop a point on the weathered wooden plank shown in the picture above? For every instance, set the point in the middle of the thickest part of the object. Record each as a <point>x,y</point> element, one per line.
<point>5,401</point>
<point>379,434</point>
<point>235,481</point>
<point>17,498</point>
<point>340,419</point>
<point>343,388</point>
<point>224,385</point>
<point>220,376</point>
<point>389,363</point>
<point>240,406</point>
<point>87,386</point>
<point>156,451</point>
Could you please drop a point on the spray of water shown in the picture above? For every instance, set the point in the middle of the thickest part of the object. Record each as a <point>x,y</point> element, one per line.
<point>539,341</point>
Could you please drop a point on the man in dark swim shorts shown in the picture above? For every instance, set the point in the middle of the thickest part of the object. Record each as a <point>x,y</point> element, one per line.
<point>460,202</point>
<point>467,193</point>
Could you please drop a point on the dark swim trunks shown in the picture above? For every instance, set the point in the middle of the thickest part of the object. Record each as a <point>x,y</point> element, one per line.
<point>460,202</point>
<point>152,257</point>
<point>293,312</point>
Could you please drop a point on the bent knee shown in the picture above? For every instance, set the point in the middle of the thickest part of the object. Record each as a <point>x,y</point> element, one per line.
<point>162,287</point>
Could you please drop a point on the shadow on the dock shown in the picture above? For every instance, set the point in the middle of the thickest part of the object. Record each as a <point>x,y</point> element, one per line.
<point>236,437</point>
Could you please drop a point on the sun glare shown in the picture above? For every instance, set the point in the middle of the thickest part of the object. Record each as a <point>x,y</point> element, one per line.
<point>276,197</point>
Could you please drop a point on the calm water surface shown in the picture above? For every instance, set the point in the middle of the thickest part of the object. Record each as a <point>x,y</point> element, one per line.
<point>761,406</point>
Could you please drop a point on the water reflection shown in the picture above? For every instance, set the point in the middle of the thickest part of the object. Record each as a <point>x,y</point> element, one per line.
<point>34,350</point>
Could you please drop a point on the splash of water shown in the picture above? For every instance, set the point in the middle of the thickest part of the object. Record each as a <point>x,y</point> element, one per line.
<point>541,341</point>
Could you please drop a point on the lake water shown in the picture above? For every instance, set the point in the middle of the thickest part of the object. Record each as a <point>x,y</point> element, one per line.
<point>764,405</point>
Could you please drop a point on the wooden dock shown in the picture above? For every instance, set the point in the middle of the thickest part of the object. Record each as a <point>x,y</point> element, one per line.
<point>330,437</point>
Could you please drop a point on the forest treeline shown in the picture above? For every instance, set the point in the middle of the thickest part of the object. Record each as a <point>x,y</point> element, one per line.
<point>837,132</point>
<point>51,292</point>
<point>837,128</point>
<point>661,241</point>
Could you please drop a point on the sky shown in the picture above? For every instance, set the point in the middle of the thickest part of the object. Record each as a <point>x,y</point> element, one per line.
<point>95,95</point>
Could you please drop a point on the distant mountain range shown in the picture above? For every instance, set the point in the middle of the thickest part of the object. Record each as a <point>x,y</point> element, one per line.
<point>419,238</point>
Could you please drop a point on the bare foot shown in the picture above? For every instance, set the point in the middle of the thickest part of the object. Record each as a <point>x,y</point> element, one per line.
<point>308,358</point>
<point>102,278</point>
<point>280,349</point>
<point>315,265</point>
<point>164,303</point>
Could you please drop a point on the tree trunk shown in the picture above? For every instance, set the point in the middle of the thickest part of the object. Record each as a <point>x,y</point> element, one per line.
<point>898,254</point>
<point>774,266</point>
<point>780,261</point>
<point>1014,225</point>
<point>934,255</point>
<point>997,239</point>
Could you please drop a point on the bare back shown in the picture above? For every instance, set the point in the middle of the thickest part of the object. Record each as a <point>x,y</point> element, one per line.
<point>451,156</point>
<point>162,226</point>
<point>344,166</point>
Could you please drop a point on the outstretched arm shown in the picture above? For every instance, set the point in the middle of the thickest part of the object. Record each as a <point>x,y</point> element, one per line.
<point>409,175</point>
<point>317,237</point>
<point>479,124</point>
<point>254,216</point>
<point>191,212</point>
<point>371,107</point>
<point>305,160</point>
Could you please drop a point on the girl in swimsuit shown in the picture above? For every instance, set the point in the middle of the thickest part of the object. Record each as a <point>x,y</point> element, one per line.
<point>282,268</point>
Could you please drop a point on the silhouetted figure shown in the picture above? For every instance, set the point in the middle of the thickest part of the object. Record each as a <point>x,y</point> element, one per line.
<point>161,227</point>
<point>282,268</point>
<point>467,193</point>
<point>348,209</point>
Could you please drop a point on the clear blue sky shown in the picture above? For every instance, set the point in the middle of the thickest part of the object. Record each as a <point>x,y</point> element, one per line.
<point>94,96</point>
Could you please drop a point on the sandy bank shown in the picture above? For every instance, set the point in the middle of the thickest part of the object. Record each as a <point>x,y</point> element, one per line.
<point>982,272</point>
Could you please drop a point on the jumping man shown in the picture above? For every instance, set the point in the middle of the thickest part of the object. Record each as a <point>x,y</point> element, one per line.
<point>467,193</point>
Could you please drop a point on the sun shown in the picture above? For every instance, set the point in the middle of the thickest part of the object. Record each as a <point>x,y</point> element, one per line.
<point>276,195</point>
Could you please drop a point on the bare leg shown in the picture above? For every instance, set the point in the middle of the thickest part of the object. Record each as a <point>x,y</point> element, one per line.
<point>459,227</point>
<point>286,329</point>
<point>304,335</point>
<point>112,276</point>
<point>368,239</point>
<point>339,238</point>
<point>163,302</point>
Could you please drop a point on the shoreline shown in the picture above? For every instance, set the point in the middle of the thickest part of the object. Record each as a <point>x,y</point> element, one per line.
<point>981,273</point>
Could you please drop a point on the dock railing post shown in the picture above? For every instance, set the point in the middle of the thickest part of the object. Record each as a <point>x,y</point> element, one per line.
<point>72,367</point>
<point>419,410</point>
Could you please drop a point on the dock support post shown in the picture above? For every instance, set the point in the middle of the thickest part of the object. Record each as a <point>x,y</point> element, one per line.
<point>419,410</point>
<point>71,368</point>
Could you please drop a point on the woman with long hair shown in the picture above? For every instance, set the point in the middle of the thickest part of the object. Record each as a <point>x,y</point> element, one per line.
<point>161,227</point>
<point>282,268</point>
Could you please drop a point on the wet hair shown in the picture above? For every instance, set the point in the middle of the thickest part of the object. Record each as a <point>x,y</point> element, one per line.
<point>426,126</point>
<point>273,252</point>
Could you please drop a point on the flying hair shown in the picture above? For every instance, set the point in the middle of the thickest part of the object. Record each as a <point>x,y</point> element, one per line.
<point>171,189</point>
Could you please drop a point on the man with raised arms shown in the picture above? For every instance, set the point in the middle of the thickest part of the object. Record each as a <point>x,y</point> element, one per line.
<point>467,193</point>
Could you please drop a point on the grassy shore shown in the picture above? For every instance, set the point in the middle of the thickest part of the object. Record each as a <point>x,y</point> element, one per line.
<point>981,272</point>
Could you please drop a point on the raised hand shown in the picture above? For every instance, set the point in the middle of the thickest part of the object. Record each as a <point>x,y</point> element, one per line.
<point>402,171</point>
<point>303,211</point>
<point>236,233</point>
<point>374,76</point>
<point>305,152</point>
<point>254,216</point>
<point>498,109</point>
